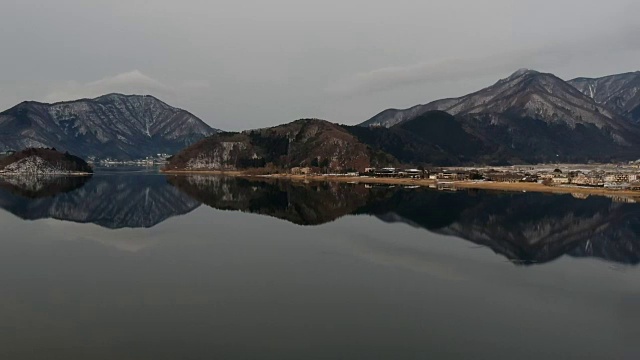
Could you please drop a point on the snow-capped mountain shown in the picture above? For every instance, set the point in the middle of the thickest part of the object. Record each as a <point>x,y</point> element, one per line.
<point>526,93</point>
<point>114,125</point>
<point>620,93</point>
<point>528,117</point>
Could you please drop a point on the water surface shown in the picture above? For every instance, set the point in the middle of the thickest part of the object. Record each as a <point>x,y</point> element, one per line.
<point>142,266</point>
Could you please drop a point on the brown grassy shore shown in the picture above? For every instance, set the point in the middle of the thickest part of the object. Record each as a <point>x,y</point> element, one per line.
<point>482,185</point>
<point>535,187</point>
<point>343,179</point>
<point>205,172</point>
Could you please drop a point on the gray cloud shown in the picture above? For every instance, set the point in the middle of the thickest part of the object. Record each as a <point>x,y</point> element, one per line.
<point>442,71</point>
<point>252,63</point>
<point>132,82</point>
<point>469,68</point>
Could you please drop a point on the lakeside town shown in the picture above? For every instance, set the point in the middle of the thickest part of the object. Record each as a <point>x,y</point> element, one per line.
<point>621,182</point>
<point>610,176</point>
<point>149,161</point>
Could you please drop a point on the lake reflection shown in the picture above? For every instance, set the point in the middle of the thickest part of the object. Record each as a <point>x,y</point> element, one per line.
<point>112,200</point>
<point>139,269</point>
<point>525,228</point>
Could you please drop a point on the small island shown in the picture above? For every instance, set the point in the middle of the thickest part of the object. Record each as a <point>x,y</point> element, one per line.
<point>43,161</point>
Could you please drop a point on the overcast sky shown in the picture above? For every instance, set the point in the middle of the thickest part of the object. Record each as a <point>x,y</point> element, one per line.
<point>255,63</point>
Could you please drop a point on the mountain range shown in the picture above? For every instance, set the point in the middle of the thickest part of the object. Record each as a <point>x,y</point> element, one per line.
<point>528,93</point>
<point>527,117</point>
<point>114,126</point>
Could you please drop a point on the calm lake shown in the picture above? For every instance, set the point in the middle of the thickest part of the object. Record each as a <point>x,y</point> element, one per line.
<point>138,265</point>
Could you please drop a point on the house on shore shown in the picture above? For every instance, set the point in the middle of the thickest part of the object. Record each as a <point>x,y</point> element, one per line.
<point>302,171</point>
<point>452,176</point>
<point>560,180</point>
<point>617,178</point>
<point>394,172</point>
<point>504,177</point>
<point>584,180</point>
<point>412,173</point>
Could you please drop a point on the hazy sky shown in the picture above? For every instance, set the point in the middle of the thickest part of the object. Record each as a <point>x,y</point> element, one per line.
<point>246,64</point>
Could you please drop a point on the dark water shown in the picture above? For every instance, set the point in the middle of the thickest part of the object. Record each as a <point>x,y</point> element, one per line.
<point>140,266</point>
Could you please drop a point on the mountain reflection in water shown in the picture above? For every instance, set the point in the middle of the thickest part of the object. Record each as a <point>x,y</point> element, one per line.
<point>526,228</point>
<point>40,186</point>
<point>112,201</point>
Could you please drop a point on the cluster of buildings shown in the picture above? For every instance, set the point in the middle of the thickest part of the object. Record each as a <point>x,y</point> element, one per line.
<point>395,172</point>
<point>388,172</point>
<point>611,178</point>
<point>619,179</point>
<point>158,159</point>
<point>606,176</point>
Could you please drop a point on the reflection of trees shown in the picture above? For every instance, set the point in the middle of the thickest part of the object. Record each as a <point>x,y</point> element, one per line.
<point>310,204</point>
<point>524,227</point>
<point>37,186</point>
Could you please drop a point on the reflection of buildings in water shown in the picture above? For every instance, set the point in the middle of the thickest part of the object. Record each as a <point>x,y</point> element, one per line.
<point>377,186</point>
<point>580,195</point>
<point>622,199</point>
<point>446,186</point>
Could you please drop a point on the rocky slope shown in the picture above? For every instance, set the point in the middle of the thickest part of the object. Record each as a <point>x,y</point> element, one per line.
<point>43,162</point>
<point>115,126</point>
<point>307,142</point>
<point>620,93</point>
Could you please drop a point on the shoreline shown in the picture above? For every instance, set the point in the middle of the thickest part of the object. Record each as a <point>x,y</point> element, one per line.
<point>42,174</point>
<point>454,185</point>
<point>207,172</point>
